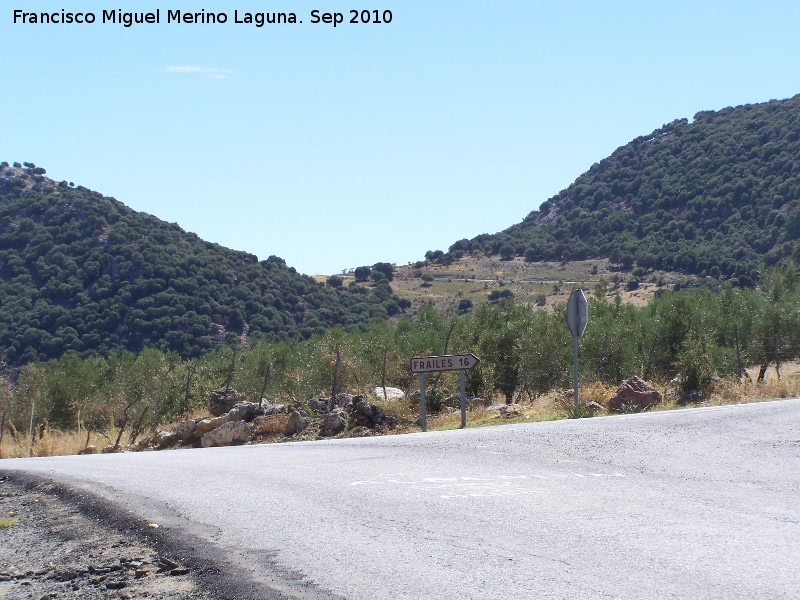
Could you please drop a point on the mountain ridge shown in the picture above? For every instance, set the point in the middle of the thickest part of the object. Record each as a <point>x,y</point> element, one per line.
<point>715,198</point>
<point>724,190</point>
<point>81,271</point>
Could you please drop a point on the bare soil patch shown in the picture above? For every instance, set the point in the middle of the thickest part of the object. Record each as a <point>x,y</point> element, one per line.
<point>49,549</point>
<point>541,283</point>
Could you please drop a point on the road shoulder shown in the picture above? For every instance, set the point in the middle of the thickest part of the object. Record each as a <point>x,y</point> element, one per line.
<point>59,541</point>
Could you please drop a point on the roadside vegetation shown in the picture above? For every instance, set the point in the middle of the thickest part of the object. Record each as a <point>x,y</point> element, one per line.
<point>695,342</point>
<point>114,323</point>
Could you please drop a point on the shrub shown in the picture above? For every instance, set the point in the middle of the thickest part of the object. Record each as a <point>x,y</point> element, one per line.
<point>695,365</point>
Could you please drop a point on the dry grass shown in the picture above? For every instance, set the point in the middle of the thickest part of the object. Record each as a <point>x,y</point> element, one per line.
<point>558,404</point>
<point>54,442</point>
<point>272,425</point>
<point>734,392</point>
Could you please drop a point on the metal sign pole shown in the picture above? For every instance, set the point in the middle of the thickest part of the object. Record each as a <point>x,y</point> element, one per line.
<point>575,369</point>
<point>463,403</point>
<point>577,317</point>
<point>422,401</point>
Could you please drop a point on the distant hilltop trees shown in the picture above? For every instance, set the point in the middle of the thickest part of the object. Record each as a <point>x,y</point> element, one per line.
<point>719,197</point>
<point>82,272</point>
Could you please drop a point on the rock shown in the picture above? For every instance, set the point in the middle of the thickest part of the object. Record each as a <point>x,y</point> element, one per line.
<point>244,411</point>
<point>360,432</point>
<point>203,426</point>
<point>220,401</point>
<point>140,445</point>
<point>634,394</point>
<point>507,410</point>
<point>296,423</point>
<point>343,400</point>
<point>164,439</point>
<point>318,405</point>
<point>594,406</point>
<point>166,564</point>
<point>392,393</point>
<point>368,415</point>
<point>268,409</point>
<point>89,450</point>
<point>673,391</point>
<point>116,584</point>
<point>206,425</point>
<point>333,423</point>
<point>183,431</point>
<point>693,396</point>
<point>232,432</point>
<point>321,405</point>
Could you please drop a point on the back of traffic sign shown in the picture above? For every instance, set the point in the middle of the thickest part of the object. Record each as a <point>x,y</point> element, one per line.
<point>577,317</point>
<point>577,313</point>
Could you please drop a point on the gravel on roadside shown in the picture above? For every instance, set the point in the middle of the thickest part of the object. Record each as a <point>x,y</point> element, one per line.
<point>51,549</point>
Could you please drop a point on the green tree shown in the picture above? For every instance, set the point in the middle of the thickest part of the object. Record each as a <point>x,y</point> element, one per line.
<point>362,274</point>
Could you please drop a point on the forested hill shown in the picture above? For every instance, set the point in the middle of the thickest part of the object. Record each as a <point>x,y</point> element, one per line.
<point>80,271</point>
<point>717,196</point>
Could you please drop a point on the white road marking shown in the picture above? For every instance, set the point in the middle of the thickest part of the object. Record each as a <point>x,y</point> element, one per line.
<point>492,480</point>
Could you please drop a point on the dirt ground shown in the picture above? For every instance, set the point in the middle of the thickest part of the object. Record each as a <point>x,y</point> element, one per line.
<point>63,541</point>
<point>474,278</point>
<point>49,549</point>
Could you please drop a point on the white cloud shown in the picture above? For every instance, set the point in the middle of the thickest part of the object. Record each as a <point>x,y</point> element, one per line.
<point>202,71</point>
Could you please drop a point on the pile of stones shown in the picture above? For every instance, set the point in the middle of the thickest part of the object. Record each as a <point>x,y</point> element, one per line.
<point>235,421</point>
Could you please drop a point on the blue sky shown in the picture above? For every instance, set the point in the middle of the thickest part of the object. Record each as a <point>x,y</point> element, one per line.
<point>339,147</point>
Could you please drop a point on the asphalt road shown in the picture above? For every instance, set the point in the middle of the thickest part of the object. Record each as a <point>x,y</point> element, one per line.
<point>699,503</point>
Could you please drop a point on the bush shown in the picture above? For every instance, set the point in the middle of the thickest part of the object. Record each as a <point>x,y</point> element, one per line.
<point>498,295</point>
<point>362,273</point>
<point>387,269</point>
<point>695,365</point>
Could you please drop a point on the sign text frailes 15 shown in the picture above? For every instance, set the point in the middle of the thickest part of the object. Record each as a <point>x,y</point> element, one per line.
<point>454,362</point>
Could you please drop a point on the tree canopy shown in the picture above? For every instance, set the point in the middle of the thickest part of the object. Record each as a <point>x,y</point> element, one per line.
<point>82,272</point>
<point>719,196</point>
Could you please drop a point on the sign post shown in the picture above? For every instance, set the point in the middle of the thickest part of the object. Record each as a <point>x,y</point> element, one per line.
<point>422,401</point>
<point>450,362</point>
<point>577,317</point>
<point>463,400</point>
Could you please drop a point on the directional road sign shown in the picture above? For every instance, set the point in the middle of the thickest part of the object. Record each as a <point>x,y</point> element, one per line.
<point>450,362</point>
